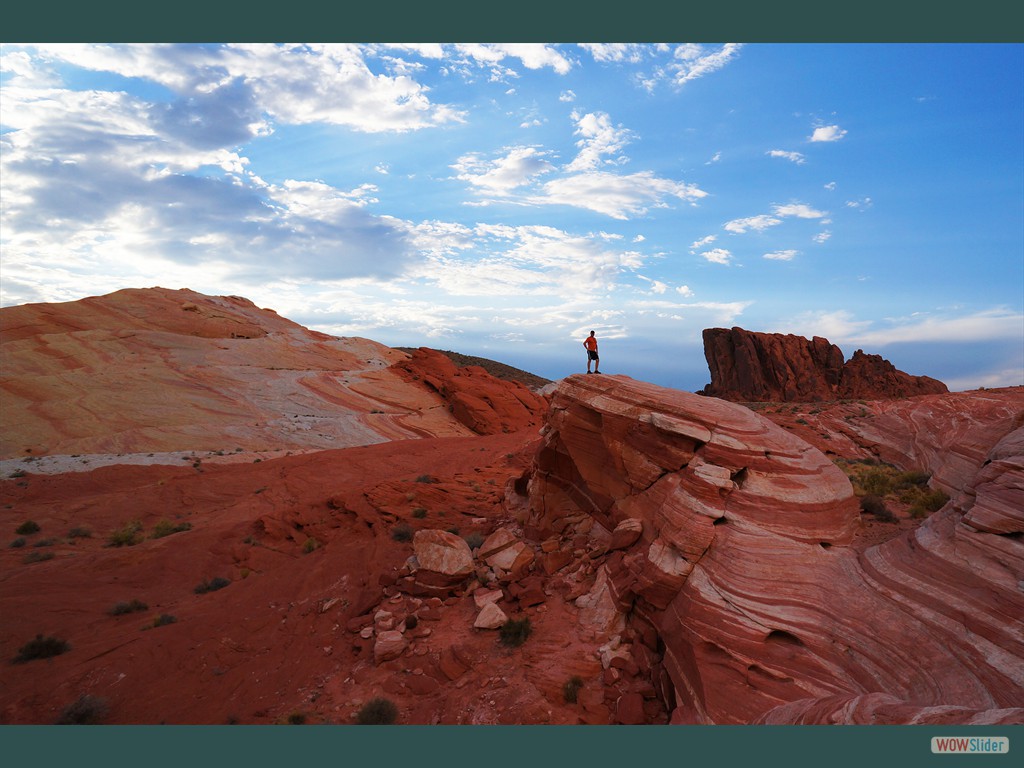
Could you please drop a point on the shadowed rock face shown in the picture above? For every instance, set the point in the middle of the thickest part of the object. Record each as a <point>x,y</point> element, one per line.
<point>745,570</point>
<point>758,367</point>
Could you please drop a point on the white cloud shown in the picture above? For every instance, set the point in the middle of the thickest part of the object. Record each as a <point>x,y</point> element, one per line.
<point>617,196</point>
<point>787,255</point>
<point>718,256</point>
<point>684,290</point>
<point>795,157</point>
<point>822,237</point>
<point>798,210</point>
<point>830,186</point>
<point>714,158</point>
<point>692,61</point>
<point>632,53</point>
<point>519,166</point>
<point>531,55</point>
<point>827,133</point>
<point>757,223</point>
<point>599,138</point>
<point>656,285</point>
<point>698,244</point>
<point>567,96</point>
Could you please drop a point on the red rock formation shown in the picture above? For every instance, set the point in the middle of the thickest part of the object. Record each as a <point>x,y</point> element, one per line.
<point>748,366</point>
<point>480,401</point>
<point>745,570</point>
<point>162,370</point>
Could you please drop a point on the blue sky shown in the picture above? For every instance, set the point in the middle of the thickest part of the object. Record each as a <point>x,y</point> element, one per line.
<point>502,200</point>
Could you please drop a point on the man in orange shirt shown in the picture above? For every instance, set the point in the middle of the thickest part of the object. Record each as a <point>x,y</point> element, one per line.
<point>590,344</point>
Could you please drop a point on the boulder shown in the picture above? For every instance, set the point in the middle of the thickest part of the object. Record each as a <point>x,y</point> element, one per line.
<point>389,645</point>
<point>490,617</point>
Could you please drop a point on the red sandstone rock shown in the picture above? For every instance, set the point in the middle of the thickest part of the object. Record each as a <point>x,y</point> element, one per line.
<point>745,566</point>
<point>480,401</point>
<point>748,366</point>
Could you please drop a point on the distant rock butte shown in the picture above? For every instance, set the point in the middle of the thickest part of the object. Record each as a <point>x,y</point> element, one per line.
<point>744,569</point>
<point>747,366</point>
<point>164,370</point>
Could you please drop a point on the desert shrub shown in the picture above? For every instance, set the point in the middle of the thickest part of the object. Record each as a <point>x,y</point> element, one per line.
<point>37,557</point>
<point>377,711</point>
<point>310,545</point>
<point>875,505</point>
<point>125,536</point>
<point>402,532</point>
<point>929,501</point>
<point>131,606</point>
<point>163,620</point>
<point>85,710</point>
<point>514,632</point>
<point>17,543</point>
<point>27,528</point>
<point>212,585</point>
<point>41,648</point>
<point>419,513</point>
<point>876,482</point>
<point>911,479</point>
<point>474,540</point>
<point>79,533</point>
<point>425,479</point>
<point>43,543</point>
<point>165,528</point>
<point>296,718</point>
<point>571,689</point>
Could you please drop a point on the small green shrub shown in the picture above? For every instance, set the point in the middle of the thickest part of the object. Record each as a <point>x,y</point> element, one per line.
<point>165,528</point>
<point>419,513</point>
<point>18,543</point>
<point>44,543</point>
<point>402,532</point>
<point>41,648</point>
<point>79,533</point>
<point>131,606</point>
<point>474,540</point>
<point>163,620</point>
<point>296,718</point>
<point>929,501</point>
<point>875,505</point>
<point>212,585</point>
<point>425,479</point>
<point>37,557</point>
<point>85,710</point>
<point>310,545</point>
<point>125,536</point>
<point>27,528</point>
<point>571,689</point>
<point>377,711</point>
<point>514,632</point>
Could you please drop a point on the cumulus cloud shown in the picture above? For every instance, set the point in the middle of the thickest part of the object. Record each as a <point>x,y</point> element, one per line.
<point>616,52</point>
<point>787,255</point>
<point>757,223</point>
<point>827,133</point>
<point>530,55</point>
<point>599,139</point>
<point>794,157</point>
<point>799,210</point>
<point>718,256</point>
<point>617,196</point>
<point>698,244</point>
<point>500,176</point>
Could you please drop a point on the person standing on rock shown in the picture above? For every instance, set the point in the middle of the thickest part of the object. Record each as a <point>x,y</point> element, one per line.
<point>590,344</point>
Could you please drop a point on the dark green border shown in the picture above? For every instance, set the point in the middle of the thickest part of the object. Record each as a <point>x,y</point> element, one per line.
<point>495,746</point>
<point>519,21</point>
<point>522,21</point>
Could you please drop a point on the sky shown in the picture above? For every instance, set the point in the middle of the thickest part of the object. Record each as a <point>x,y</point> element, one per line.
<point>503,200</point>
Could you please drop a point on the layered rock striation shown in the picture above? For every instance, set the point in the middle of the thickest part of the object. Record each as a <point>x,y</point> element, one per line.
<point>748,366</point>
<point>744,568</point>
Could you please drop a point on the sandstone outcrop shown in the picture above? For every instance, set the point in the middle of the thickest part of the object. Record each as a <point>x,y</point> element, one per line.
<point>476,399</point>
<point>174,370</point>
<point>744,568</point>
<point>747,366</point>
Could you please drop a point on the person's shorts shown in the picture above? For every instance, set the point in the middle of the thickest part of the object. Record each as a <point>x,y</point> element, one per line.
<point>592,355</point>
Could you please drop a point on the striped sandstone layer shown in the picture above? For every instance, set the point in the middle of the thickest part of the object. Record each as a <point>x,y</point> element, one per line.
<point>745,568</point>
